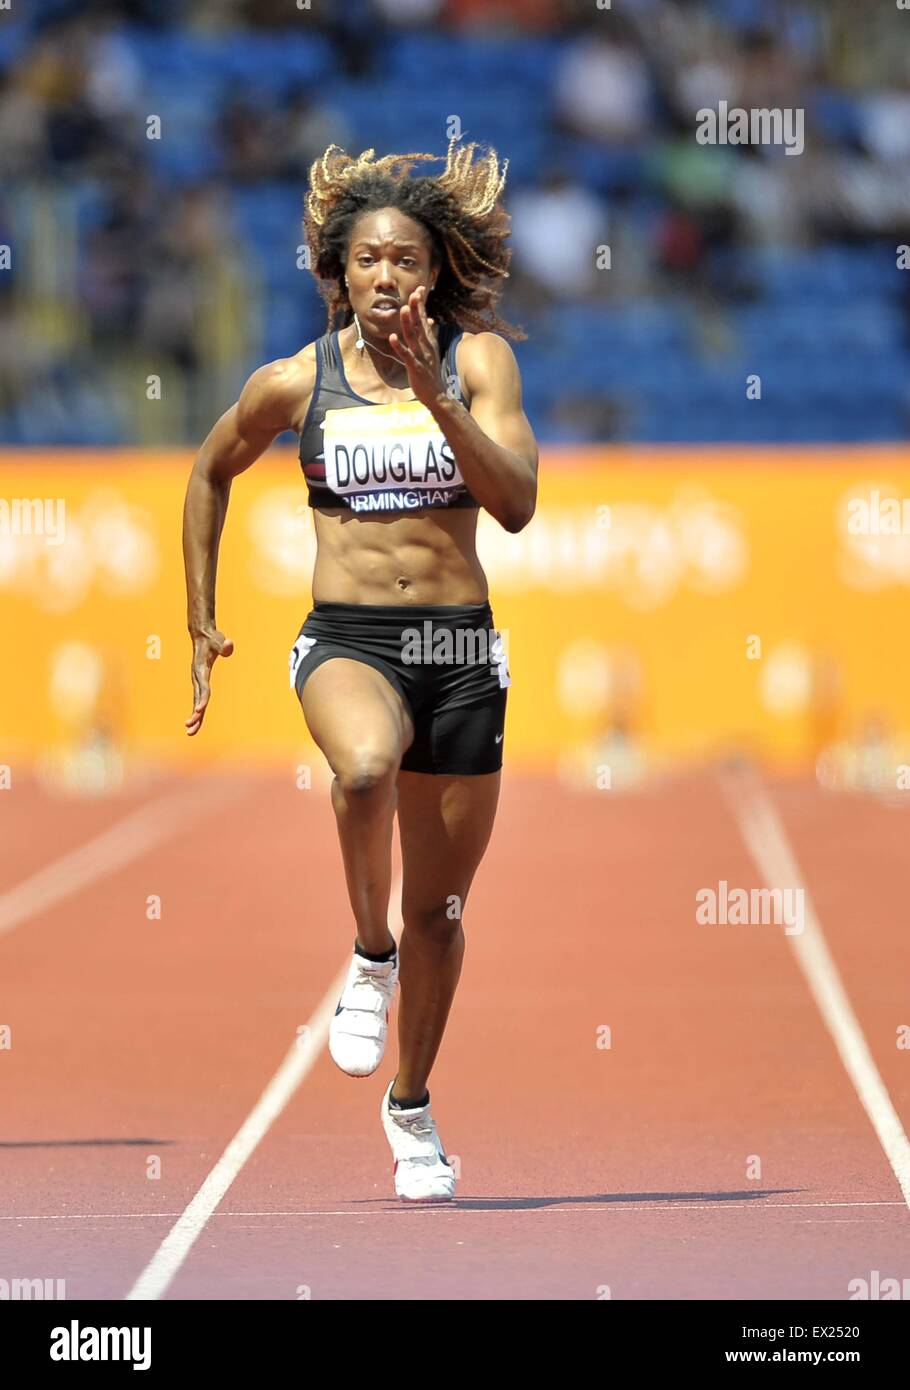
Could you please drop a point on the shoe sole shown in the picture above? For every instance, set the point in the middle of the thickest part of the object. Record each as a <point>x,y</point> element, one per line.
<point>426,1201</point>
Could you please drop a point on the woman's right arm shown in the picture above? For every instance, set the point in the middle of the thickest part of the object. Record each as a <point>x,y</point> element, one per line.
<point>271,400</point>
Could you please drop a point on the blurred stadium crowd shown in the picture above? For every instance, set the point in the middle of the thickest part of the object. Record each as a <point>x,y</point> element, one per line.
<point>178,257</point>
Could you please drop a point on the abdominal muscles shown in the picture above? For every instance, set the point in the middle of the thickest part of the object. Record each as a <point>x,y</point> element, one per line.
<point>429,558</point>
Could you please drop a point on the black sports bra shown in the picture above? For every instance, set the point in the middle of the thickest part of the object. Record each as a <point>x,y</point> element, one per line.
<point>378,458</point>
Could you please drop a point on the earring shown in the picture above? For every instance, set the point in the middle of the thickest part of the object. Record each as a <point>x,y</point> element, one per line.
<point>359,342</point>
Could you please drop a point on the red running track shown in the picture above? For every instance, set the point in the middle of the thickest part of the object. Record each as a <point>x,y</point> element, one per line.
<point>717,1148</point>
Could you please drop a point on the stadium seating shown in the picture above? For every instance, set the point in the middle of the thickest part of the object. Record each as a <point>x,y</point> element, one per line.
<point>825,328</point>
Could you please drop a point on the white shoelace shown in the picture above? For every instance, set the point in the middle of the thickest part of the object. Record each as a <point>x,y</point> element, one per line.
<point>419,1135</point>
<point>374,1001</point>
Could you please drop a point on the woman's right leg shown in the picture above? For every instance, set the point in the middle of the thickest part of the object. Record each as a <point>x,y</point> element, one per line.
<point>363,727</point>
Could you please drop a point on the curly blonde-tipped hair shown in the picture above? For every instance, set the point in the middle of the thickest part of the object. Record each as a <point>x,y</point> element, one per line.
<point>460,208</point>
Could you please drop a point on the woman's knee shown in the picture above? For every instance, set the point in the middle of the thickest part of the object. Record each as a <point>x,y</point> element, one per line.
<point>367,769</point>
<point>438,920</point>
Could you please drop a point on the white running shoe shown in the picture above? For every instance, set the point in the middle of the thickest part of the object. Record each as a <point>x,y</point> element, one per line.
<point>358,1031</point>
<point>422,1172</point>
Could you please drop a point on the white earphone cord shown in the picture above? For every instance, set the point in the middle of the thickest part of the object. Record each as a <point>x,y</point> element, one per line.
<point>360,344</point>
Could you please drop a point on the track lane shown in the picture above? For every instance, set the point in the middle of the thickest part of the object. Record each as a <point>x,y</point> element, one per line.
<point>581,1168</point>
<point>137,1038</point>
<point>584,1168</point>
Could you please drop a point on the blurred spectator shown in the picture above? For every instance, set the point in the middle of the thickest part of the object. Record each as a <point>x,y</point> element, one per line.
<point>117,259</point>
<point>132,256</point>
<point>577,418</point>
<point>769,73</point>
<point>113,78</point>
<point>409,12</point>
<point>512,16</point>
<point>603,88</point>
<point>885,122</point>
<point>556,230</point>
<point>22,120</point>
<point>250,138</point>
<point>55,78</point>
<point>307,131</point>
<point>185,247</point>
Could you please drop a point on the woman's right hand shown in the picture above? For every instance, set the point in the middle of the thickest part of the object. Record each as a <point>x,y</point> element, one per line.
<point>208,644</point>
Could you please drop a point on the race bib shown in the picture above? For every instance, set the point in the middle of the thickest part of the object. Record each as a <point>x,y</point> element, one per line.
<point>389,458</point>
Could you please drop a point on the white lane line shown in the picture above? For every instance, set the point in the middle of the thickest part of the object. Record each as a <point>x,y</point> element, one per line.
<point>766,841</point>
<point>177,1244</point>
<point>128,839</point>
<point>463,1204</point>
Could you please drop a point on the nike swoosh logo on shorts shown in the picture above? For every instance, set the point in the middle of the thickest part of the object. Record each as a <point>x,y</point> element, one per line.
<point>498,738</point>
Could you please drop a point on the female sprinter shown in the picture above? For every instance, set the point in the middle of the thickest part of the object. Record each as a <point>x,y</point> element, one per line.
<point>410,420</point>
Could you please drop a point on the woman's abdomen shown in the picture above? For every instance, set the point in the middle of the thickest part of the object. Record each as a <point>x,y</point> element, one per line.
<point>402,560</point>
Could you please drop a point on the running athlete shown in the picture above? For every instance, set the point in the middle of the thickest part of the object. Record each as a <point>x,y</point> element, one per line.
<point>410,419</point>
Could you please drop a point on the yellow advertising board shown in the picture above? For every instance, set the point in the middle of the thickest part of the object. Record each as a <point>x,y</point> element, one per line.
<point>662,605</point>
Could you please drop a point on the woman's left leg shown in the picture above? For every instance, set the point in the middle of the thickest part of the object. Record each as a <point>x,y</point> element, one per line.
<point>445,825</point>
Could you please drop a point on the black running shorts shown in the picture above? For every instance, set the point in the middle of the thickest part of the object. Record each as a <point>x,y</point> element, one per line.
<point>447,663</point>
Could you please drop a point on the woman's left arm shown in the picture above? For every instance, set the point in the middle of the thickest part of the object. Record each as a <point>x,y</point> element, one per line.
<point>492,441</point>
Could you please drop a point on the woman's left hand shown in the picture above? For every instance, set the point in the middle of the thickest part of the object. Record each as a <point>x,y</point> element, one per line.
<point>416,347</point>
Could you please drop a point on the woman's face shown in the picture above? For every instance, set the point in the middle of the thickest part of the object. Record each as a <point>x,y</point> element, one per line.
<point>389,256</point>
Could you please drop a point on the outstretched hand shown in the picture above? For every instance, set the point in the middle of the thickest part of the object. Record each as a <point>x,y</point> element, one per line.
<point>416,347</point>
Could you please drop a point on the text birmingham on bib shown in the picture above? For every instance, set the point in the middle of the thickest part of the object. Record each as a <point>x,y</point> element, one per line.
<point>389,458</point>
